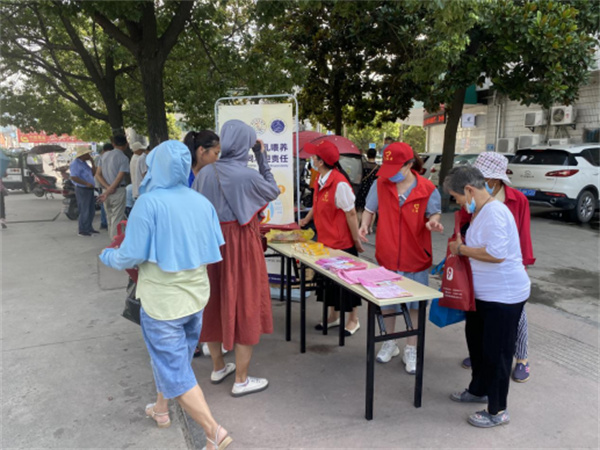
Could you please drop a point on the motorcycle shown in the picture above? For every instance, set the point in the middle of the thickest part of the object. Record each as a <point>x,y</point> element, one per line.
<point>70,207</point>
<point>44,184</point>
<point>70,201</point>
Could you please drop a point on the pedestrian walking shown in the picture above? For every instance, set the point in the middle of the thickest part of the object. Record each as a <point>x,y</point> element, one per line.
<point>111,175</point>
<point>239,309</point>
<point>493,167</point>
<point>501,287</point>
<point>409,208</point>
<point>336,223</point>
<point>82,176</point>
<point>173,233</point>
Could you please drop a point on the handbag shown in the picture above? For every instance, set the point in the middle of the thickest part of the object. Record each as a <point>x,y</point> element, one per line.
<point>442,316</point>
<point>261,237</point>
<point>132,304</point>
<point>457,279</point>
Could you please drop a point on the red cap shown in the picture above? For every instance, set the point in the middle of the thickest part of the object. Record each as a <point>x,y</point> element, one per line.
<point>394,157</point>
<point>325,150</point>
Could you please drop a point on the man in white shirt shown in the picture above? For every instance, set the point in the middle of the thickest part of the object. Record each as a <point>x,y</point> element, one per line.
<point>137,148</point>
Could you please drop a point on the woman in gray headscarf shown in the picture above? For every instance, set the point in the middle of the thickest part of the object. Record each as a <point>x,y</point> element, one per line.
<point>239,309</point>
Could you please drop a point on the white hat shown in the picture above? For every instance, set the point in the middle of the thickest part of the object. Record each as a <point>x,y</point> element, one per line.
<point>82,150</point>
<point>492,165</point>
<point>137,146</point>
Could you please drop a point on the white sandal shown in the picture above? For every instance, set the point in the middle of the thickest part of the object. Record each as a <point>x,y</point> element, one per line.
<point>221,445</point>
<point>153,415</point>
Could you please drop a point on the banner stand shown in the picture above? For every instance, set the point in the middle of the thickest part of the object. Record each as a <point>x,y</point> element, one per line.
<point>297,125</point>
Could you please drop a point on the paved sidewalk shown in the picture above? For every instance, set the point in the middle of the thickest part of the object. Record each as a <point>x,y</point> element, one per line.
<point>76,375</point>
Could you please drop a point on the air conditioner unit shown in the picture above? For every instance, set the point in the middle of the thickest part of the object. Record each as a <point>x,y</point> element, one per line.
<point>562,115</point>
<point>529,140</point>
<point>562,141</point>
<point>534,119</point>
<point>506,145</point>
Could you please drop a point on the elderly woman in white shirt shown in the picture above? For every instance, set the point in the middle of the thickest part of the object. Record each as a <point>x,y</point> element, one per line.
<point>501,287</point>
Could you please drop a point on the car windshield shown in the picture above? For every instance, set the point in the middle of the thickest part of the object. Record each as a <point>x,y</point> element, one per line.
<point>547,157</point>
<point>353,167</point>
<point>464,159</point>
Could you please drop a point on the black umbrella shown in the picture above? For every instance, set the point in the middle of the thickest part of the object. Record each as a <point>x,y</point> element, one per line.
<point>47,148</point>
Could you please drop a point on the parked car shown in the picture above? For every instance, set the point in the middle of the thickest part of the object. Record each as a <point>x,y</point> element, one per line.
<point>429,159</point>
<point>21,168</point>
<point>559,177</point>
<point>460,159</point>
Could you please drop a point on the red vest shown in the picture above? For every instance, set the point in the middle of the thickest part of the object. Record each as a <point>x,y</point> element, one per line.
<point>402,241</point>
<point>330,221</point>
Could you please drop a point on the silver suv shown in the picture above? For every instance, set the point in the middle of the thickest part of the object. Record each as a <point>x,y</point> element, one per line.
<point>559,177</point>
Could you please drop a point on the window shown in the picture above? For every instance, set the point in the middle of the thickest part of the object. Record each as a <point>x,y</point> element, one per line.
<point>592,155</point>
<point>546,157</point>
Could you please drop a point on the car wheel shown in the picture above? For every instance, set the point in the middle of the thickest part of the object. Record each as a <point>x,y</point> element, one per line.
<point>585,207</point>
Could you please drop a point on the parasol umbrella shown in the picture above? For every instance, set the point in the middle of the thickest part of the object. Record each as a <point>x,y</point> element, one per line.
<point>344,145</point>
<point>303,138</point>
<point>47,148</point>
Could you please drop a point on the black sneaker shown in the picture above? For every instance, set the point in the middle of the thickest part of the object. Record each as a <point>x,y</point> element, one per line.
<point>94,232</point>
<point>84,234</point>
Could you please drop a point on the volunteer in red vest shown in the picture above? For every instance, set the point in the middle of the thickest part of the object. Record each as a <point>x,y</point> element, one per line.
<point>336,223</point>
<point>493,167</point>
<point>409,209</point>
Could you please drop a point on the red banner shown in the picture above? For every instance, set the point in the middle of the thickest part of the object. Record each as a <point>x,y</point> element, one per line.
<point>43,138</point>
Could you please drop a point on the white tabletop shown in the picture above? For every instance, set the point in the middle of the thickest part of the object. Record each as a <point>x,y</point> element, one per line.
<point>419,291</point>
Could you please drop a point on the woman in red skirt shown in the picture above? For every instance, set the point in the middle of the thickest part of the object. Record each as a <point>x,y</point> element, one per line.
<point>239,308</point>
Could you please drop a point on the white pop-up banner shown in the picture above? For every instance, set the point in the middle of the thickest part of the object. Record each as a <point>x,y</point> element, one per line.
<point>274,125</point>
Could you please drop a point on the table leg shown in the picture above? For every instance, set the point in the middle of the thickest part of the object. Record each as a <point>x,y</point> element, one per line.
<point>302,308</point>
<point>288,300</point>
<point>342,317</point>
<point>325,312</point>
<point>370,387</point>
<point>420,353</point>
<point>282,275</point>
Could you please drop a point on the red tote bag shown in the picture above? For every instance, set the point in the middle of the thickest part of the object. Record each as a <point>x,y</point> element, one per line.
<point>457,280</point>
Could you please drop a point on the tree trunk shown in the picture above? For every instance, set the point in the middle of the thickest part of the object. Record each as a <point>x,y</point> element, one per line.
<point>156,116</point>
<point>453,114</point>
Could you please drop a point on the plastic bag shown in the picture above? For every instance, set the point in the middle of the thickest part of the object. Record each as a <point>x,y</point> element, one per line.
<point>281,236</point>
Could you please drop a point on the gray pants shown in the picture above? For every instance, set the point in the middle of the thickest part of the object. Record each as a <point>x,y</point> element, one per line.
<point>115,210</point>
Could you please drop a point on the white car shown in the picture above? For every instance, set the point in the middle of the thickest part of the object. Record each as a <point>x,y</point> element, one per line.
<point>429,159</point>
<point>559,177</point>
<point>459,160</point>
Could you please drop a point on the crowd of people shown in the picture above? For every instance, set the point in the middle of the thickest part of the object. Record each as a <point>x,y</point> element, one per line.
<point>203,278</point>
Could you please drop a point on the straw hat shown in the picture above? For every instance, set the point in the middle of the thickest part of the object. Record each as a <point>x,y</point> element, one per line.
<point>82,150</point>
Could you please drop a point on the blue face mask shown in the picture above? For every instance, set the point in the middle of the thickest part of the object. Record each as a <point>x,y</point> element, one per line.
<point>397,178</point>
<point>471,206</point>
<point>489,189</point>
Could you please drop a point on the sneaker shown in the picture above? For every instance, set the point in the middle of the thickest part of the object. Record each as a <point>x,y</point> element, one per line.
<point>521,373</point>
<point>484,419</point>
<point>218,377</point>
<point>3,223</point>
<point>83,234</point>
<point>104,227</point>
<point>251,386</point>
<point>388,350</point>
<point>206,351</point>
<point>466,397</point>
<point>94,232</point>
<point>466,363</point>
<point>410,359</point>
